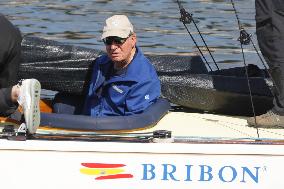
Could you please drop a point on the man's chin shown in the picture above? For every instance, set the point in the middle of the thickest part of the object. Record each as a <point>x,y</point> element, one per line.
<point>116,59</point>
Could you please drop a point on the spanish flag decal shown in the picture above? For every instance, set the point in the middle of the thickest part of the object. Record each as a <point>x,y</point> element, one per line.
<point>103,171</point>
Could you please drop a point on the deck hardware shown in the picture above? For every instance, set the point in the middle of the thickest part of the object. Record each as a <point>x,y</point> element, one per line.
<point>162,136</point>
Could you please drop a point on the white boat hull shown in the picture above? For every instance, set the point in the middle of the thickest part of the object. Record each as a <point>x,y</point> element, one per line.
<point>220,152</point>
<point>59,164</point>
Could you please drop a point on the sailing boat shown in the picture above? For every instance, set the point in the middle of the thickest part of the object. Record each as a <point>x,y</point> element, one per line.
<point>180,149</point>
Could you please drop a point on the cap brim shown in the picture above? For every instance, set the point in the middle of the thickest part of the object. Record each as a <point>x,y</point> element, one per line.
<point>121,34</point>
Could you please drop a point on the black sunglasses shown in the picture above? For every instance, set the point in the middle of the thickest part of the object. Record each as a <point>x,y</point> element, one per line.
<point>114,39</point>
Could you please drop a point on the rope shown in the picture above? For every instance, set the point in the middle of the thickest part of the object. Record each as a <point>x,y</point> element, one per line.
<point>186,18</point>
<point>245,39</point>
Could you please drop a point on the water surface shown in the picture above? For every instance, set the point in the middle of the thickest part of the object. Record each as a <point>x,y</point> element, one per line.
<point>156,24</point>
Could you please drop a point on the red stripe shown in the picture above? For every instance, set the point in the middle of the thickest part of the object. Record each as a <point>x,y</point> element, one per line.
<point>102,165</point>
<point>117,176</point>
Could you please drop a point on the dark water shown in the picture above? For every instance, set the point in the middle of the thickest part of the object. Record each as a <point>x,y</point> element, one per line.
<point>156,23</point>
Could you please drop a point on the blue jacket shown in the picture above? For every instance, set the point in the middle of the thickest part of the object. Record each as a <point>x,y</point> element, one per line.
<point>127,92</point>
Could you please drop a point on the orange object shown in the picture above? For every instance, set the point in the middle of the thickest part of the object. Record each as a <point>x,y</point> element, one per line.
<point>45,106</point>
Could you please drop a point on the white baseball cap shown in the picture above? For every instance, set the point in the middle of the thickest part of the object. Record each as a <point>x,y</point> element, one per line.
<point>117,25</point>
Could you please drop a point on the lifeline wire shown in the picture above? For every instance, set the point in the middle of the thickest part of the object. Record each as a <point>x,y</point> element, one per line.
<point>246,42</point>
<point>187,18</point>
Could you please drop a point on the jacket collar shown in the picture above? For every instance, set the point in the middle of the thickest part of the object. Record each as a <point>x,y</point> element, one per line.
<point>130,72</point>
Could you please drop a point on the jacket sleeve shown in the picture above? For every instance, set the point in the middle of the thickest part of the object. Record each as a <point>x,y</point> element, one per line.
<point>142,95</point>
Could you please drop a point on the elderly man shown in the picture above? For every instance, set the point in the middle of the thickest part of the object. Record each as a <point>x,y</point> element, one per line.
<point>124,82</point>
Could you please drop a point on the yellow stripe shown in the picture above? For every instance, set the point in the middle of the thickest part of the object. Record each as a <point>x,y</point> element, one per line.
<point>90,171</point>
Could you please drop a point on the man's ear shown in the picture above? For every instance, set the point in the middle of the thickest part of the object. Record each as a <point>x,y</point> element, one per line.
<point>134,39</point>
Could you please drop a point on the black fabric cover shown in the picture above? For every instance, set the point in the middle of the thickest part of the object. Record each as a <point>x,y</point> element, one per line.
<point>185,80</point>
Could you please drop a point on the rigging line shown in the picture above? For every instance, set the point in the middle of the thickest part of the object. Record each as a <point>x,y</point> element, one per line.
<point>238,20</point>
<point>201,36</point>
<point>245,39</point>
<point>249,87</point>
<point>186,18</point>
<point>192,38</point>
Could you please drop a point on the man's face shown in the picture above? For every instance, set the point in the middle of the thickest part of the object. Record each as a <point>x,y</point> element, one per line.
<point>118,49</point>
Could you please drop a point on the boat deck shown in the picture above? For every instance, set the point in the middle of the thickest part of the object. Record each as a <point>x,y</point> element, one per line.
<point>204,125</point>
<point>194,126</point>
<point>200,126</point>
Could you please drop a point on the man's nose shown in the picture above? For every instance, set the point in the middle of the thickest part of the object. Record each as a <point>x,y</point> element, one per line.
<point>113,45</point>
